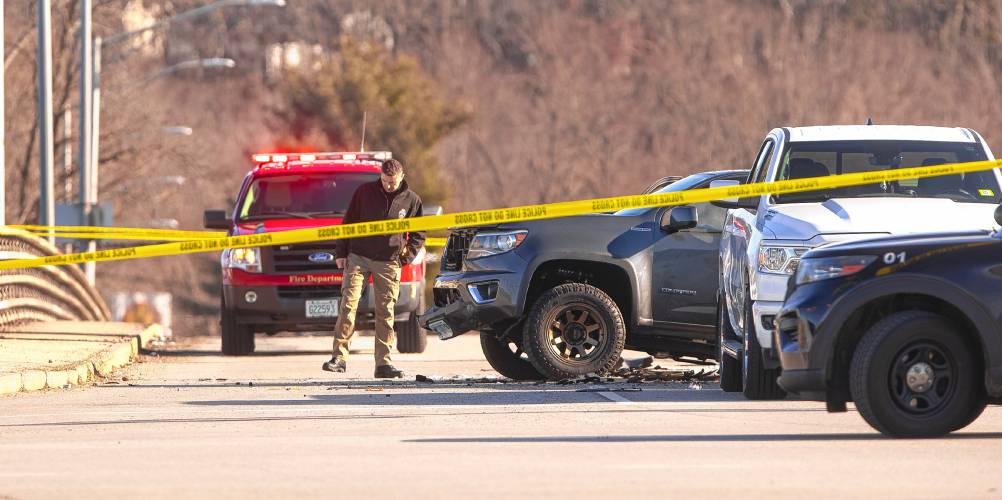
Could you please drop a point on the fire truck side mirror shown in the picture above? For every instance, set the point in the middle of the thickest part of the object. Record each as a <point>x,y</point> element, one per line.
<point>216,219</point>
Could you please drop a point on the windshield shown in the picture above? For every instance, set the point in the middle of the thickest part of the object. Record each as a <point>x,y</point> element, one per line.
<point>814,159</point>
<point>679,185</point>
<point>302,195</point>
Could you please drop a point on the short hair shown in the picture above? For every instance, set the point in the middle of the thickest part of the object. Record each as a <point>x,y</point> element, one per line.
<point>392,167</point>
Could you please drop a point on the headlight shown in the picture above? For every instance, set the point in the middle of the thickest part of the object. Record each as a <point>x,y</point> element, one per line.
<point>248,259</point>
<point>812,270</point>
<point>485,244</point>
<point>779,260</point>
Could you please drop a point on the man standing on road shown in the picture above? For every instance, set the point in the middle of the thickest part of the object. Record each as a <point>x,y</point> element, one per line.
<point>380,257</point>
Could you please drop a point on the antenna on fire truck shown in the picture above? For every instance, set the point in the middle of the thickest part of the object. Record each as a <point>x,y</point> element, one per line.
<point>361,148</point>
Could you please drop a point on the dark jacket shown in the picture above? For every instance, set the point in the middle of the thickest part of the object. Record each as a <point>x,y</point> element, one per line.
<point>372,203</point>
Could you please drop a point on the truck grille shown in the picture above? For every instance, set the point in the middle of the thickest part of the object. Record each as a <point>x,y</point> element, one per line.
<point>309,292</point>
<point>295,259</point>
<point>445,296</point>
<point>456,249</point>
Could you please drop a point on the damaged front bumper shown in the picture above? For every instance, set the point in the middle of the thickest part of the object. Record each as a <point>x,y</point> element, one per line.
<point>471,301</point>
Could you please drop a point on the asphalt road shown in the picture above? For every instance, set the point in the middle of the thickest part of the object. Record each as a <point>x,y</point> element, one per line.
<point>189,423</point>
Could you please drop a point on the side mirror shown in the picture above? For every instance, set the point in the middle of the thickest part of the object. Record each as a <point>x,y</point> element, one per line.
<point>432,209</point>
<point>216,219</point>
<point>998,215</point>
<point>679,218</point>
<point>732,203</point>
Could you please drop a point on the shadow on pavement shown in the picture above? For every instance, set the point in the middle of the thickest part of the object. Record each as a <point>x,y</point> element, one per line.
<point>199,420</point>
<point>500,398</point>
<point>184,353</point>
<point>712,438</point>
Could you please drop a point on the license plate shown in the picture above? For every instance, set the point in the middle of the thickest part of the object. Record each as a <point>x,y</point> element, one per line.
<point>442,329</point>
<point>321,308</point>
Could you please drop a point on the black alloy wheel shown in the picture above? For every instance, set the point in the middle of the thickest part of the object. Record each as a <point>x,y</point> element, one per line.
<point>575,332</point>
<point>574,329</point>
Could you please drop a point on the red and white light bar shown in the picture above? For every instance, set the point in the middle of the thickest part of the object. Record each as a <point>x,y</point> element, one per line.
<point>265,158</point>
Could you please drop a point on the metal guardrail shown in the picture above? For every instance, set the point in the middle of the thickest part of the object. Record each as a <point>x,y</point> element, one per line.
<point>45,293</point>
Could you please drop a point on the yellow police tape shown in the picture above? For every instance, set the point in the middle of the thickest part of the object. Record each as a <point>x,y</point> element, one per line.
<point>501,215</point>
<point>118,232</point>
<point>135,234</point>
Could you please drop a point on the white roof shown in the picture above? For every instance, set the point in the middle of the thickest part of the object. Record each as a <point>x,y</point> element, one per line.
<point>880,133</point>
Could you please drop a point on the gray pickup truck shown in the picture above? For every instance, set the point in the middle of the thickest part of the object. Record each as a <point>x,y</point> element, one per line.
<point>559,298</point>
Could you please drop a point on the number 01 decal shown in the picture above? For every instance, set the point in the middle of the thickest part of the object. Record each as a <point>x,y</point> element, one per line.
<point>891,258</point>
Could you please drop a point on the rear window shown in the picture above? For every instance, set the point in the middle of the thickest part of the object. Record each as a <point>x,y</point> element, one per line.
<point>679,185</point>
<point>814,159</point>
<point>301,195</point>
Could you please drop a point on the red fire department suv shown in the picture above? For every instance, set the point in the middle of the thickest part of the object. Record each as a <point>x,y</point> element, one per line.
<point>298,287</point>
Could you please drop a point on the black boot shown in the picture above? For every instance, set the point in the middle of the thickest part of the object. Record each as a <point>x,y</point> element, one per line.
<point>336,365</point>
<point>388,371</point>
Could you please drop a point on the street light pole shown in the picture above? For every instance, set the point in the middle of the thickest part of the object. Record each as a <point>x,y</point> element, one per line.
<point>46,214</point>
<point>83,155</point>
<point>88,190</point>
<point>3,139</point>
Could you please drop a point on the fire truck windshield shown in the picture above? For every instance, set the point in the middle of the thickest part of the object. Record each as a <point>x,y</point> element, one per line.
<point>301,195</point>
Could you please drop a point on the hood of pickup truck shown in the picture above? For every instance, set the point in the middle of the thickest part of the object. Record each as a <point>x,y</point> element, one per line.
<point>803,221</point>
<point>275,225</point>
<point>595,234</point>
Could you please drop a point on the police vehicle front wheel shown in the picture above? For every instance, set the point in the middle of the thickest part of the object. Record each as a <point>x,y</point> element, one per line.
<point>238,340</point>
<point>915,374</point>
<point>574,329</point>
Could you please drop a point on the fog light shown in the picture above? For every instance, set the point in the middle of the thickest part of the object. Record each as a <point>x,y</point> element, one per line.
<point>250,297</point>
<point>769,321</point>
<point>483,293</point>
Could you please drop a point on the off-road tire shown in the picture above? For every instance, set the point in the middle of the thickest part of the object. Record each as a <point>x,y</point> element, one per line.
<point>237,340</point>
<point>871,381</point>
<point>513,364</point>
<point>537,337</point>
<point>729,367</point>
<point>756,381</point>
<point>411,338</point>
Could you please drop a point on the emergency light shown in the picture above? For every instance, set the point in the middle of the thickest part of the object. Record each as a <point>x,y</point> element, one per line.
<point>279,160</point>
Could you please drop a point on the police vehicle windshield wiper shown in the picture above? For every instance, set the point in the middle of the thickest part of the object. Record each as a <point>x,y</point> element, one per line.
<point>272,215</point>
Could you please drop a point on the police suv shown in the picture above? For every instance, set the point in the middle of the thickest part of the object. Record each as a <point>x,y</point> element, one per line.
<point>908,328</point>
<point>765,237</point>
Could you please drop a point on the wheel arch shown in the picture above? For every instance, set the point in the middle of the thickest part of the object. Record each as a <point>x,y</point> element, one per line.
<point>862,307</point>
<point>611,277</point>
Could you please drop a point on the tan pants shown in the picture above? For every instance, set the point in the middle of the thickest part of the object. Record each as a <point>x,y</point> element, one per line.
<point>386,285</point>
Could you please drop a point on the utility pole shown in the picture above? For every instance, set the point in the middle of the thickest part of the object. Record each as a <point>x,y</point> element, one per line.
<point>86,124</point>
<point>90,191</point>
<point>67,156</point>
<point>46,213</point>
<point>3,149</point>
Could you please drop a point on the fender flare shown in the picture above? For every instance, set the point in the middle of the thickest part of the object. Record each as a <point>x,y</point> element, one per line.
<point>986,328</point>
<point>540,260</point>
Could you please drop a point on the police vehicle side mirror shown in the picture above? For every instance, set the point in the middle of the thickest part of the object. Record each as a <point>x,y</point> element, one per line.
<point>216,219</point>
<point>432,209</point>
<point>732,203</point>
<point>679,218</point>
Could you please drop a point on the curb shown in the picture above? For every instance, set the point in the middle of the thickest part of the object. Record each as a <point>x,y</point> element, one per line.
<point>99,365</point>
